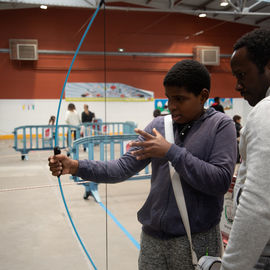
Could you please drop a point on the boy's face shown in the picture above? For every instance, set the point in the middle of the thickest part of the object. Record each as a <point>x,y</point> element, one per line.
<point>183,105</point>
<point>250,82</point>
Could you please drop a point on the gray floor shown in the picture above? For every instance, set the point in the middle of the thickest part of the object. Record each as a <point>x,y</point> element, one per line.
<point>35,232</point>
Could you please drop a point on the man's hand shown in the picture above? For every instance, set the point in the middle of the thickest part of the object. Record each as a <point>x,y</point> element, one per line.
<point>61,164</point>
<point>153,146</point>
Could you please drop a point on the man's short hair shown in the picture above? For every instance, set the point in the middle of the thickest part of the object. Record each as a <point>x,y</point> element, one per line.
<point>190,74</point>
<point>257,43</point>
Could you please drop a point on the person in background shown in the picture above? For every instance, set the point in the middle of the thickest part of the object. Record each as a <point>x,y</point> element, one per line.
<point>52,120</point>
<point>238,126</point>
<point>73,119</point>
<point>249,246</point>
<point>217,106</point>
<point>87,116</point>
<point>156,113</point>
<point>52,123</point>
<point>204,155</point>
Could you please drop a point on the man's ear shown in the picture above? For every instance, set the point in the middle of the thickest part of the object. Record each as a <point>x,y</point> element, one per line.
<point>267,69</point>
<point>204,95</point>
<point>268,65</point>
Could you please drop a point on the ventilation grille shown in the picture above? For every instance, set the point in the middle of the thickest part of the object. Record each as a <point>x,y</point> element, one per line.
<point>207,55</point>
<point>23,49</point>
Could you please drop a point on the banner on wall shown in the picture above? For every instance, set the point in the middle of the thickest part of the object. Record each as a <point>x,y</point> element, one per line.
<point>114,92</point>
<point>162,104</point>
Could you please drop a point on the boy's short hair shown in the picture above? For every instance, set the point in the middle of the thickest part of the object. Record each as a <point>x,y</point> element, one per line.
<point>190,74</point>
<point>257,43</point>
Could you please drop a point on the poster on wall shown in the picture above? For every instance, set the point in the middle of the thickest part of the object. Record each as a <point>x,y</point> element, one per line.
<point>227,103</point>
<point>162,105</point>
<point>114,92</point>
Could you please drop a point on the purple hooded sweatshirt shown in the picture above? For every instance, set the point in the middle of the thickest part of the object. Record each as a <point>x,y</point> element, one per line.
<point>204,158</point>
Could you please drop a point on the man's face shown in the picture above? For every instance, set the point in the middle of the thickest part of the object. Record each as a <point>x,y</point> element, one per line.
<point>183,105</point>
<point>250,82</point>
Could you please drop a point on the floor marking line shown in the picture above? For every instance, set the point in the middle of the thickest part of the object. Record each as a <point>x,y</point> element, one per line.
<point>43,186</point>
<point>131,238</point>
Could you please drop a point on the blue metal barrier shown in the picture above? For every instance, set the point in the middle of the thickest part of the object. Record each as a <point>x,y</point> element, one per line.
<point>99,147</point>
<point>41,137</point>
<point>36,137</point>
<point>110,128</point>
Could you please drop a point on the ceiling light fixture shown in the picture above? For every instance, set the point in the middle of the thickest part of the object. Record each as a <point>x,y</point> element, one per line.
<point>198,33</point>
<point>202,15</point>
<point>224,3</point>
<point>43,7</point>
<point>120,50</point>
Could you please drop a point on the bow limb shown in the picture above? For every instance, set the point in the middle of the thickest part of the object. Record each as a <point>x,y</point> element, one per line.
<point>56,130</point>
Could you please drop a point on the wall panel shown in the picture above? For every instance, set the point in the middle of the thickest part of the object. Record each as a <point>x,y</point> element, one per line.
<point>61,29</point>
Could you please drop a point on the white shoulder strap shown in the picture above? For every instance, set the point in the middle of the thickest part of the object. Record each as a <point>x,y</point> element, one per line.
<point>177,188</point>
<point>168,126</point>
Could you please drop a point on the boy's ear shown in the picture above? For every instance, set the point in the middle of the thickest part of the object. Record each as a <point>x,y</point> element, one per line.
<point>204,95</point>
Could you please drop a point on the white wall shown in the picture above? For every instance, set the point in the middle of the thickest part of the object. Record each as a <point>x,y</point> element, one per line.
<point>240,107</point>
<point>18,112</point>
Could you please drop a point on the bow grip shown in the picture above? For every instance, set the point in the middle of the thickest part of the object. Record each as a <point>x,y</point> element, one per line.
<point>56,150</point>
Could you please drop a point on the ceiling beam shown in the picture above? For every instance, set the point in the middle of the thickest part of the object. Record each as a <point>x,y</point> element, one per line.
<point>262,20</point>
<point>177,2</point>
<point>255,9</point>
<point>203,5</point>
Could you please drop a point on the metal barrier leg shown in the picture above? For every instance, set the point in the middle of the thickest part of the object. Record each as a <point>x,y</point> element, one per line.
<point>24,157</point>
<point>91,189</point>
